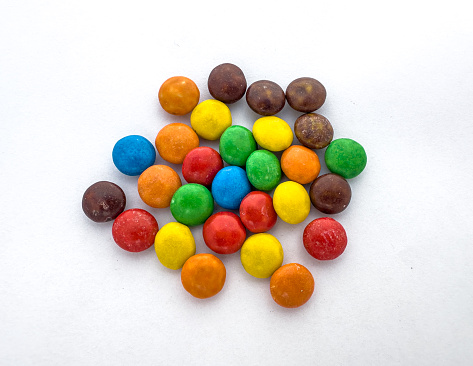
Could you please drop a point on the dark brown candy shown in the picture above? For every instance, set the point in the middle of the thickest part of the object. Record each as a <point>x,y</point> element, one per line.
<point>313,131</point>
<point>103,201</point>
<point>265,97</point>
<point>330,193</point>
<point>306,94</point>
<point>227,83</point>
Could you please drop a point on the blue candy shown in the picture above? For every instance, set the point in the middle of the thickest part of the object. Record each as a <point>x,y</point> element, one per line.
<point>132,155</point>
<point>230,186</point>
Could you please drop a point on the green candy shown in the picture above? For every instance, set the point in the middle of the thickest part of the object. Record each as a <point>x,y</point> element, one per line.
<point>192,204</point>
<point>345,157</point>
<point>263,170</point>
<point>236,144</point>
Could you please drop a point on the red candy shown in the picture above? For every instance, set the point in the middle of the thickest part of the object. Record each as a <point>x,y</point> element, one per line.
<point>201,165</point>
<point>325,238</point>
<point>224,233</point>
<point>257,212</point>
<point>134,230</point>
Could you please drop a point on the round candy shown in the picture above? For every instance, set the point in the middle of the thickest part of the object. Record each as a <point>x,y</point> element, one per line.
<point>313,130</point>
<point>157,184</point>
<point>203,275</point>
<point>263,170</point>
<point>133,154</point>
<point>265,97</point>
<point>305,94</point>
<point>292,285</point>
<point>201,165</point>
<point>229,187</point>
<point>174,244</point>
<point>300,164</point>
<point>325,238</point>
<point>291,202</point>
<point>227,83</point>
<point>192,204</point>
<point>261,255</point>
<point>330,193</point>
<point>272,133</point>
<point>103,201</point>
<point>210,118</point>
<point>174,141</point>
<point>224,233</point>
<point>257,212</point>
<point>236,144</point>
<point>178,95</point>
<point>345,157</point>
<point>134,230</point>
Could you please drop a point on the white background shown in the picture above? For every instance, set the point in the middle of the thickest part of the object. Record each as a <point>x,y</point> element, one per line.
<point>76,78</point>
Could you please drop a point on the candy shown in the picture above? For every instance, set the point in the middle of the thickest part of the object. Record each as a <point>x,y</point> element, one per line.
<point>227,83</point>
<point>134,230</point>
<point>201,165</point>
<point>325,238</point>
<point>178,95</point>
<point>263,170</point>
<point>157,184</point>
<point>257,212</point>
<point>292,285</point>
<point>210,118</point>
<point>192,204</point>
<point>224,233</point>
<point>291,202</point>
<point>203,275</point>
<point>265,97</point>
<point>229,187</point>
<point>313,130</point>
<point>272,133</point>
<point>345,157</point>
<point>174,141</point>
<point>300,164</point>
<point>236,144</point>
<point>103,201</point>
<point>330,193</point>
<point>133,154</point>
<point>174,244</point>
<point>306,94</point>
<point>261,255</point>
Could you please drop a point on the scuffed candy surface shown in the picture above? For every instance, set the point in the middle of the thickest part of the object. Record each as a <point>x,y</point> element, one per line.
<point>325,238</point>
<point>103,201</point>
<point>227,83</point>
<point>313,130</point>
<point>306,94</point>
<point>134,230</point>
<point>174,141</point>
<point>265,97</point>
<point>157,185</point>
<point>330,193</point>
<point>292,285</point>
<point>178,95</point>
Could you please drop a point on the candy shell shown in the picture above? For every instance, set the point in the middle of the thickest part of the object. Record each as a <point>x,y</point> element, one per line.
<point>174,245</point>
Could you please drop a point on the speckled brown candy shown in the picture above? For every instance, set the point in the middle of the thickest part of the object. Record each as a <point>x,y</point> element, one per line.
<point>227,83</point>
<point>103,201</point>
<point>313,131</point>
<point>306,94</point>
<point>265,97</point>
<point>330,193</point>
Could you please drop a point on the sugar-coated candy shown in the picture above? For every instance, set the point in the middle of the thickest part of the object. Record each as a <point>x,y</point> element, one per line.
<point>230,186</point>
<point>272,133</point>
<point>210,118</point>
<point>203,275</point>
<point>236,144</point>
<point>325,238</point>
<point>313,130</point>
<point>192,204</point>
<point>257,212</point>
<point>300,164</point>
<point>292,285</point>
<point>265,97</point>
<point>133,154</point>
<point>134,230</point>
<point>174,244</point>
<point>201,165</point>
<point>330,193</point>
<point>227,83</point>
<point>103,201</point>
<point>345,157</point>
<point>291,202</point>
<point>224,233</point>
<point>174,141</point>
<point>261,255</point>
<point>157,184</point>
<point>178,95</point>
<point>263,170</point>
<point>306,94</point>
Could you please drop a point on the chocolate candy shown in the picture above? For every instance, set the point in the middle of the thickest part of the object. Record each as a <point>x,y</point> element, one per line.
<point>210,118</point>
<point>313,130</point>
<point>133,154</point>
<point>227,83</point>
<point>292,285</point>
<point>178,95</point>
<point>261,255</point>
<point>330,193</point>
<point>306,94</point>
<point>345,157</point>
<point>265,97</point>
<point>157,185</point>
<point>103,201</point>
<point>224,233</point>
<point>257,212</point>
<point>272,133</point>
<point>201,165</point>
<point>192,204</point>
<point>174,245</point>
<point>236,144</point>
<point>325,238</point>
<point>291,202</point>
<point>300,164</point>
<point>203,275</point>
<point>134,230</point>
<point>230,186</point>
<point>263,170</point>
<point>174,141</point>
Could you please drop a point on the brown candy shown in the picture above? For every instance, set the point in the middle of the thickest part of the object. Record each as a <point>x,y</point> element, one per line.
<point>313,131</point>
<point>103,201</point>
<point>265,97</point>
<point>330,193</point>
<point>227,83</point>
<point>306,94</point>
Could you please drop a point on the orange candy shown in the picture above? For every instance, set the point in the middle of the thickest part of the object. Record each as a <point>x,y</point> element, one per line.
<point>174,141</point>
<point>178,95</point>
<point>300,164</point>
<point>291,285</point>
<point>157,184</point>
<point>203,275</point>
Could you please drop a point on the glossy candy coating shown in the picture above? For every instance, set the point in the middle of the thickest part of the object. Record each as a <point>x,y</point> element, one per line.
<point>263,170</point>
<point>230,186</point>
<point>313,130</point>
<point>133,154</point>
<point>178,95</point>
<point>203,275</point>
<point>157,185</point>
<point>103,201</point>
<point>325,238</point>
<point>345,157</point>
<point>330,193</point>
<point>227,83</point>
<point>265,97</point>
<point>192,204</point>
<point>306,94</point>
<point>201,165</point>
<point>236,144</point>
<point>134,230</point>
<point>272,133</point>
<point>257,212</point>
<point>292,285</point>
<point>261,255</point>
<point>210,118</point>
<point>291,202</point>
<point>224,233</point>
<point>300,164</point>
<point>174,244</point>
<point>174,141</point>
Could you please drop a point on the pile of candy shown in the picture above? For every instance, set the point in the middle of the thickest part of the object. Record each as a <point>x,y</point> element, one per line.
<point>238,186</point>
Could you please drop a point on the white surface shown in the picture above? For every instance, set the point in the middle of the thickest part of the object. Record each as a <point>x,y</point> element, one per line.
<point>76,78</point>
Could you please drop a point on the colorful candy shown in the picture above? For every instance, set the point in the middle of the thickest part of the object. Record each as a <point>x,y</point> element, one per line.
<point>263,170</point>
<point>224,233</point>
<point>265,97</point>
<point>178,95</point>
<point>227,83</point>
<point>157,185</point>
<point>306,94</point>
<point>272,133</point>
<point>134,230</point>
<point>174,141</point>
<point>300,164</point>
<point>261,255</point>
<point>313,130</point>
<point>192,204</point>
<point>291,202</point>
<point>345,157</point>
<point>133,154</point>
<point>230,186</point>
<point>103,201</point>
<point>257,212</point>
<point>292,285</point>
<point>330,193</point>
<point>236,144</point>
<point>201,165</point>
<point>325,238</point>
<point>174,245</point>
<point>210,118</point>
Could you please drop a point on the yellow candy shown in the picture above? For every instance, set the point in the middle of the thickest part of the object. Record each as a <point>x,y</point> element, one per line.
<point>291,202</point>
<point>261,255</point>
<point>210,118</point>
<point>272,133</point>
<point>174,244</point>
